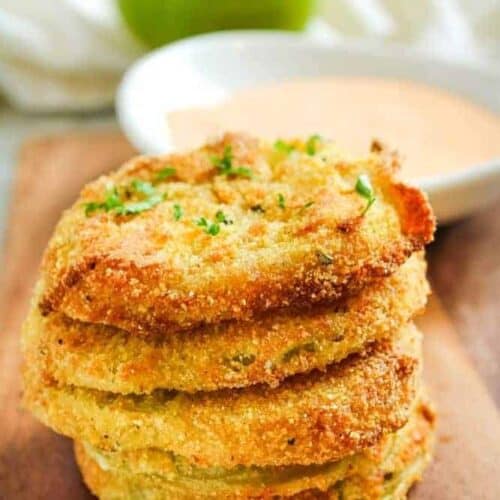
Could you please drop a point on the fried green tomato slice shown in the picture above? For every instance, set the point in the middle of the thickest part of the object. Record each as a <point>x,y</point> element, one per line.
<point>234,354</point>
<point>228,231</point>
<point>386,470</point>
<point>307,419</point>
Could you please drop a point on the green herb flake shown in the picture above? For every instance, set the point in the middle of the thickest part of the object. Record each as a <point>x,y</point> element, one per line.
<point>365,189</point>
<point>111,201</point>
<point>143,187</point>
<point>304,207</point>
<point>281,201</point>
<point>211,228</point>
<point>165,173</point>
<point>136,207</point>
<point>283,147</point>
<point>91,207</point>
<point>114,203</point>
<point>201,222</point>
<point>225,166</point>
<point>221,217</point>
<point>178,212</point>
<point>225,162</point>
<point>312,144</point>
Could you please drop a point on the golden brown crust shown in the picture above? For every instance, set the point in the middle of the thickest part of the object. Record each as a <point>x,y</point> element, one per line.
<point>150,272</point>
<point>386,471</point>
<point>232,354</point>
<point>307,419</point>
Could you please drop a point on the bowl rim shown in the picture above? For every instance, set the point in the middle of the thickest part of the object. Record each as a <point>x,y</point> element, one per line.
<point>257,39</point>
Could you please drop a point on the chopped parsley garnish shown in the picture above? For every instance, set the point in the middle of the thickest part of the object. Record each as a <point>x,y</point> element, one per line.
<point>281,201</point>
<point>165,173</point>
<point>113,202</point>
<point>143,187</point>
<point>312,143</point>
<point>91,207</point>
<point>304,207</point>
<point>283,147</point>
<point>221,217</point>
<point>136,207</point>
<point>178,212</point>
<point>212,228</point>
<point>225,166</point>
<point>365,189</point>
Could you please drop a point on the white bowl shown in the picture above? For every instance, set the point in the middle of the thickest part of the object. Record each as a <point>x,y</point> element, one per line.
<point>204,70</point>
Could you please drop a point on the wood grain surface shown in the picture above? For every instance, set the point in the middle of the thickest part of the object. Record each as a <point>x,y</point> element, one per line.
<point>465,271</point>
<point>35,463</point>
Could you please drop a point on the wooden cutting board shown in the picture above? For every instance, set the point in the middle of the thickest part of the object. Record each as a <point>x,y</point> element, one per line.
<point>35,463</point>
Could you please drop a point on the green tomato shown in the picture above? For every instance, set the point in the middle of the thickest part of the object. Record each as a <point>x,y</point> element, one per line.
<point>157,22</point>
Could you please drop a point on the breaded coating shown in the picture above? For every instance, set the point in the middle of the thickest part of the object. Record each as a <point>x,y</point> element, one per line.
<point>234,354</point>
<point>313,418</point>
<point>386,470</point>
<point>228,231</point>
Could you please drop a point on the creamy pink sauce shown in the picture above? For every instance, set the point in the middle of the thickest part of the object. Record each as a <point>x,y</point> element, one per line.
<point>434,131</point>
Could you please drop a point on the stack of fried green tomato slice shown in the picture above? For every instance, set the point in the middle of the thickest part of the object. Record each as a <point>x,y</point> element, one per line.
<point>236,322</point>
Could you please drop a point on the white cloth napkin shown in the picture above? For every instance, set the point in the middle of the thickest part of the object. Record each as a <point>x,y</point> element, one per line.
<point>58,55</point>
<point>466,30</point>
